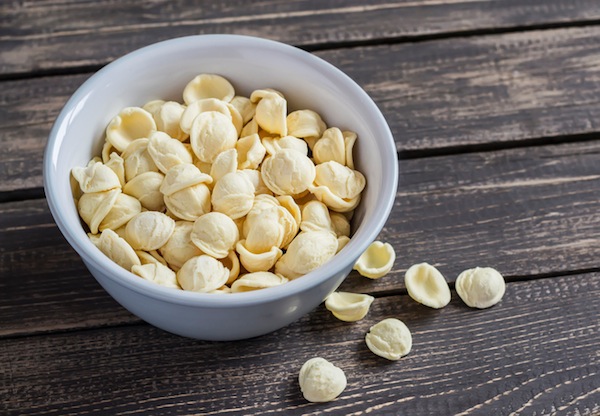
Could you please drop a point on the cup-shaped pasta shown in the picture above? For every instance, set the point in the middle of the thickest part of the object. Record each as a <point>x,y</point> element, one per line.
<point>226,162</point>
<point>125,208</point>
<point>202,106</point>
<point>315,217</point>
<point>233,195</point>
<point>131,123</point>
<point>137,160</point>
<point>259,185</point>
<point>179,247</point>
<point>208,86</point>
<point>250,128</point>
<point>157,273</point>
<point>333,201</point>
<point>257,280</point>
<point>116,249</point>
<point>349,141</point>
<point>153,106</point>
<point>426,285</point>
<point>94,207</point>
<point>232,263</point>
<point>149,230</point>
<point>377,260</point>
<point>167,152</point>
<point>342,242</point>
<point>96,177</point>
<point>274,144</point>
<point>148,257</point>
<point>256,262</point>
<point>288,172</point>
<point>202,274</point>
<point>215,234</point>
<point>117,164</point>
<point>340,224</point>
<point>236,118</point>
<point>167,117</point>
<point>349,307</point>
<point>265,232</point>
<point>306,252</point>
<point>390,339</point>
<point>481,287</point>
<point>271,112</point>
<point>341,180</point>
<point>305,124</point>
<point>183,176</point>
<point>189,203</point>
<point>146,188</point>
<point>211,134</point>
<point>250,152</point>
<point>244,106</point>
<point>330,147</point>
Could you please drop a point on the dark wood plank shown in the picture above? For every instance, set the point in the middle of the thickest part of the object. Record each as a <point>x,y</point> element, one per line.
<point>49,35</point>
<point>436,95</point>
<point>527,212</point>
<point>534,353</point>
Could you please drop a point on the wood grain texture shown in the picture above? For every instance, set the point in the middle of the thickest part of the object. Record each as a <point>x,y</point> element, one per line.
<point>527,212</point>
<point>534,353</point>
<point>46,35</point>
<point>443,94</point>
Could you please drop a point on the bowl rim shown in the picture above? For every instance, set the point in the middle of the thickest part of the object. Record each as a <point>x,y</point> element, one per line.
<point>90,254</point>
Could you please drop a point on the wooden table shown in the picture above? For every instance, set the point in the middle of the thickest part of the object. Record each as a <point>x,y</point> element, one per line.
<point>495,107</point>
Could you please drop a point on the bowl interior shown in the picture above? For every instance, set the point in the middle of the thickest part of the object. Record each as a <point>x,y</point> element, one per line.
<point>162,70</point>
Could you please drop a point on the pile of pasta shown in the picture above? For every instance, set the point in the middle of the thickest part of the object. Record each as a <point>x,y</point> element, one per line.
<point>221,193</point>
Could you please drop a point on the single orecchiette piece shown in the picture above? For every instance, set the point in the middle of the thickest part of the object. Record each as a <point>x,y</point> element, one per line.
<point>131,123</point>
<point>244,106</point>
<point>250,152</point>
<point>349,307</point>
<point>341,180</point>
<point>215,234</point>
<point>211,134</point>
<point>116,249</point>
<point>157,273</point>
<point>481,287</point>
<point>333,201</point>
<point>377,260</point>
<point>179,247</point>
<point>257,280</point>
<point>94,207</point>
<point>202,274</point>
<point>256,262</point>
<point>315,217</point>
<point>167,117</point>
<point>390,339</point>
<point>320,381</point>
<point>149,230</point>
<point>306,252</point>
<point>330,147</point>
<point>146,188</point>
<point>233,195</point>
<point>96,177</point>
<point>137,160</point>
<point>167,152</point>
<point>185,192</point>
<point>288,172</point>
<point>340,224</point>
<point>124,209</point>
<point>275,144</point>
<point>208,86</point>
<point>202,106</point>
<point>426,285</point>
<point>305,124</point>
<point>271,111</point>
<point>117,164</point>
<point>349,141</point>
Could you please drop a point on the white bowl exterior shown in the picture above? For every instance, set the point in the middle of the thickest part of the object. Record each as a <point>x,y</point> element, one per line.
<point>161,71</point>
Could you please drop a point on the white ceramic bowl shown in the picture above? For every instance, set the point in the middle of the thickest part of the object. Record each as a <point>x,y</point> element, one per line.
<point>161,71</point>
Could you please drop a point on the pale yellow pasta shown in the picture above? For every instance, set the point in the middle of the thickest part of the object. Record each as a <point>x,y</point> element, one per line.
<point>202,106</point>
<point>315,217</point>
<point>330,147</point>
<point>137,160</point>
<point>376,261</point>
<point>157,273</point>
<point>256,262</point>
<point>124,208</point>
<point>244,106</point>
<point>215,234</point>
<point>321,381</point>
<point>349,141</point>
<point>233,195</point>
<point>149,230</point>
<point>148,257</point>
<point>288,172</point>
<point>211,134</point>
<point>167,117</point>
<point>182,176</point>
<point>202,274</point>
<point>225,162</point>
<point>305,124</point>
<point>348,307</point>
<point>250,152</point>
<point>208,86</point>
<point>273,144</point>
<point>116,249</point>
<point>342,181</point>
<point>93,207</point>
<point>96,177</point>
<point>167,152</point>
<point>117,164</point>
<point>146,189</point>
<point>232,263</point>
<point>270,113</point>
<point>131,123</point>
<point>333,201</point>
<point>390,339</point>
<point>426,285</point>
<point>179,247</point>
<point>257,280</point>
<point>480,287</point>
<point>306,252</point>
